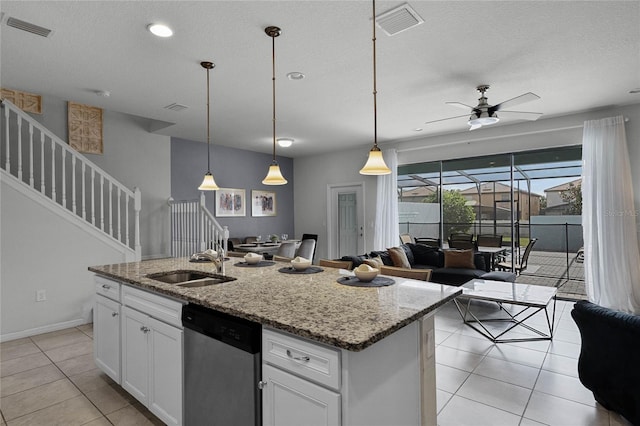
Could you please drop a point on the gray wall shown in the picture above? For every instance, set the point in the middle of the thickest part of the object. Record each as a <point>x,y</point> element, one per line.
<point>233,168</point>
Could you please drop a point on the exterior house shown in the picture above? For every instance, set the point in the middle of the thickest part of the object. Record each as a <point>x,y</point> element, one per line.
<point>491,200</point>
<point>556,206</point>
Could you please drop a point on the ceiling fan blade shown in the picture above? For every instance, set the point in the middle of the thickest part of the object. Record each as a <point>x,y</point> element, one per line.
<point>444,119</point>
<point>521,115</point>
<point>460,105</point>
<point>527,97</point>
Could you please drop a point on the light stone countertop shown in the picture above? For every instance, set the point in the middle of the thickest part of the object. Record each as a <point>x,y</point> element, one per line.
<point>313,306</point>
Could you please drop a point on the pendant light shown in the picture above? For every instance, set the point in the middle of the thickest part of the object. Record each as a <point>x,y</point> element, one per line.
<point>375,163</point>
<point>208,184</point>
<point>274,176</point>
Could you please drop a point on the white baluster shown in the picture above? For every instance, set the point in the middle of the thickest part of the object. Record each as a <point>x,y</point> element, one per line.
<point>119,215</point>
<point>102,202</point>
<point>111,208</point>
<point>7,165</point>
<point>73,183</point>
<point>31,154</point>
<point>93,197</point>
<point>63,156</point>
<point>126,222</point>
<point>137,205</point>
<point>19,147</point>
<point>53,170</point>
<point>82,193</point>
<point>42,187</point>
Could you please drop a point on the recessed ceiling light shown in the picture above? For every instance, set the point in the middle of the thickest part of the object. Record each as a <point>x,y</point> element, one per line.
<point>160,30</point>
<point>295,75</point>
<point>285,142</point>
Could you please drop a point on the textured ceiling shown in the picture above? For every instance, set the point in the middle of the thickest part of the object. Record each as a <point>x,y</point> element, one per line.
<point>575,55</point>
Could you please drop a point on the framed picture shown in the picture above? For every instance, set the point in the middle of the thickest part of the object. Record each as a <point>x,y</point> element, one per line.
<point>263,203</point>
<point>230,202</point>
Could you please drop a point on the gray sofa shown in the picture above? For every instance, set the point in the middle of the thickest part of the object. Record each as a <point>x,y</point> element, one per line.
<point>426,257</point>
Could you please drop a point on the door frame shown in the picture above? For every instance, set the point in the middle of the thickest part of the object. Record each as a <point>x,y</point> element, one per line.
<point>332,208</point>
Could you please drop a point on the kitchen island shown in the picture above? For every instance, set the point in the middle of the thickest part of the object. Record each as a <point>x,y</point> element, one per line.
<point>383,336</point>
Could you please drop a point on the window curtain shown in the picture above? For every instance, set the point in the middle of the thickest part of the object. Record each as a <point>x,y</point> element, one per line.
<point>612,259</point>
<point>387,229</point>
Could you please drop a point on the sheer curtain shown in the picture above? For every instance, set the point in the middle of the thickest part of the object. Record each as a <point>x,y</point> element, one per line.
<point>612,259</point>
<point>387,230</point>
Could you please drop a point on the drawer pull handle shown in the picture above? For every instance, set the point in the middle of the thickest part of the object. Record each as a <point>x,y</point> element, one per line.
<point>298,358</point>
<point>114,314</point>
<point>262,384</point>
<point>144,329</point>
<point>106,286</point>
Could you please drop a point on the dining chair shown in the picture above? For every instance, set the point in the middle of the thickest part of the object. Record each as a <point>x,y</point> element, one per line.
<point>287,249</point>
<point>520,266</point>
<point>282,258</point>
<point>428,241</point>
<point>461,236</point>
<point>311,237</point>
<point>250,240</point>
<point>406,239</point>
<point>306,249</point>
<point>341,264</point>
<point>414,274</point>
<point>462,244</point>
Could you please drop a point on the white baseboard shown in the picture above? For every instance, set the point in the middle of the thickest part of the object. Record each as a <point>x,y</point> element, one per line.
<point>45,329</point>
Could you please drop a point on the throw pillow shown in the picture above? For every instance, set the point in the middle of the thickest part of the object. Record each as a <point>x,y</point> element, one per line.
<point>375,262</point>
<point>384,255</point>
<point>427,255</point>
<point>459,259</point>
<point>408,253</point>
<point>355,260</point>
<point>399,257</point>
<point>482,261</point>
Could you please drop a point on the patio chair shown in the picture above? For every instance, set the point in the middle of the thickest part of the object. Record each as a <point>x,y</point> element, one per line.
<point>406,238</point>
<point>489,240</point>
<point>461,236</point>
<point>428,241</point>
<point>462,244</point>
<point>520,266</point>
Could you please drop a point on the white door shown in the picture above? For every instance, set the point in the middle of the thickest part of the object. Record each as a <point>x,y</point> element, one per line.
<point>345,220</point>
<point>106,339</point>
<point>291,401</point>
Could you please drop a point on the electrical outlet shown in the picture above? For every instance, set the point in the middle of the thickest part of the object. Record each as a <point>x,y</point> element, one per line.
<point>41,295</point>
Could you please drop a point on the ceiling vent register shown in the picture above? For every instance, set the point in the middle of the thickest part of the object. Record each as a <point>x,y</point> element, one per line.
<point>398,19</point>
<point>29,27</point>
<point>176,107</point>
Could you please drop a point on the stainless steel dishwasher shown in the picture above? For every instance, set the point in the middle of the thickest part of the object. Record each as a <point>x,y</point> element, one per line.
<point>222,368</point>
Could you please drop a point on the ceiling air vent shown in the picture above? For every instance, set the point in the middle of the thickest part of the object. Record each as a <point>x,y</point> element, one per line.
<point>176,107</point>
<point>398,19</point>
<point>29,27</point>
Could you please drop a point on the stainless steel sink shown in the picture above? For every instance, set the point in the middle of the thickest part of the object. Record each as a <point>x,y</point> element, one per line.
<point>190,278</point>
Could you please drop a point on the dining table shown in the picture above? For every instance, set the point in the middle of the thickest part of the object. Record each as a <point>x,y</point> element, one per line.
<point>268,247</point>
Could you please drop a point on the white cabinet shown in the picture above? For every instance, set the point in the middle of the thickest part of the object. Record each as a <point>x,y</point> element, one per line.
<point>152,364</point>
<point>291,401</point>
<point>106,336</point>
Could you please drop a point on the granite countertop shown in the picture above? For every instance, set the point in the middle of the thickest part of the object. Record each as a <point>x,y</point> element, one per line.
<point>313,306</point>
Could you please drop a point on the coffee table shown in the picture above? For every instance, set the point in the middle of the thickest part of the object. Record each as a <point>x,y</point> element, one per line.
<point>528,299</point>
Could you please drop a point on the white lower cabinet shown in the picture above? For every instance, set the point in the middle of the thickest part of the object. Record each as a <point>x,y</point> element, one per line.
<point>291,401</point>
<point>106,336</point>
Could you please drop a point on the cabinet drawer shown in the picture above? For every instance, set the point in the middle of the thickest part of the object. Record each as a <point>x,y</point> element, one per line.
<point>312,361</point>
<point>107,288</point>
<point>163,308</point>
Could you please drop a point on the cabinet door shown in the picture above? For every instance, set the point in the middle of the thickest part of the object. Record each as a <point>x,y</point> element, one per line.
<point>165,372</point>
<point>106,338</point>
<point>291,401</point>
<point>135,353</point>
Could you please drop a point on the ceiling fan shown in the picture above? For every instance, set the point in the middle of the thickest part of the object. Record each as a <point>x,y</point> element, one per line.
<point>485,114</point>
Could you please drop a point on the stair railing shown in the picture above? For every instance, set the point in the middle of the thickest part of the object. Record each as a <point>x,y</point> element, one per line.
<point>194,229</point>
<point>41,160</point>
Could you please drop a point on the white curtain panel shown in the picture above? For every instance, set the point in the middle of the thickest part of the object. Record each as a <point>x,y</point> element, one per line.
<point>387,230</point>
<point>612,259</point>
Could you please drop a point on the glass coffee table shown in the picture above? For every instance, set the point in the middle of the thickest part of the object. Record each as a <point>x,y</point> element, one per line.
<point>526,300</point>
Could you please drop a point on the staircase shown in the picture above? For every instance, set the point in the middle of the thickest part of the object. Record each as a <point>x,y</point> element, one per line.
<point>194,229</point>
<point>34,160</point>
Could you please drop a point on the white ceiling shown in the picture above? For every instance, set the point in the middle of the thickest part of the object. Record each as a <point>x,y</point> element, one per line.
<point>575,55</point>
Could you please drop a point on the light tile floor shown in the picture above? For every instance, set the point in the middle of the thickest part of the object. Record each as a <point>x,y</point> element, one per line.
<point>51,379</point>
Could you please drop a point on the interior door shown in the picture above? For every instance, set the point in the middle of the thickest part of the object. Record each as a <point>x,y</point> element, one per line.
<point>346,220</point>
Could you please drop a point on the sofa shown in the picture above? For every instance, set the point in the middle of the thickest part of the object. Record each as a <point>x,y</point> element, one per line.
<point>421,256</point>
<point>608,363</point>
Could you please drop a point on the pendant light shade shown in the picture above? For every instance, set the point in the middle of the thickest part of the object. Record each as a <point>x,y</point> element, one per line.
<point>274,176</point>
<point>208,183</point>
<point>375,164</point>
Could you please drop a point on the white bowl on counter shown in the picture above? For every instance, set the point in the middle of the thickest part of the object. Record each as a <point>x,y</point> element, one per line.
<point>300,263</point>
<point>366,273</point>
<point>252,258</point>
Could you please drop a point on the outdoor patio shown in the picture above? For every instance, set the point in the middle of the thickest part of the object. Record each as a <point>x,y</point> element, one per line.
<point>550,269</point>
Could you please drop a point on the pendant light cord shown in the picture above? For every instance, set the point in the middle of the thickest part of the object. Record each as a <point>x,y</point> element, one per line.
<point>375,91</point>
<point>208,128</point>
<point>273,83</point>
